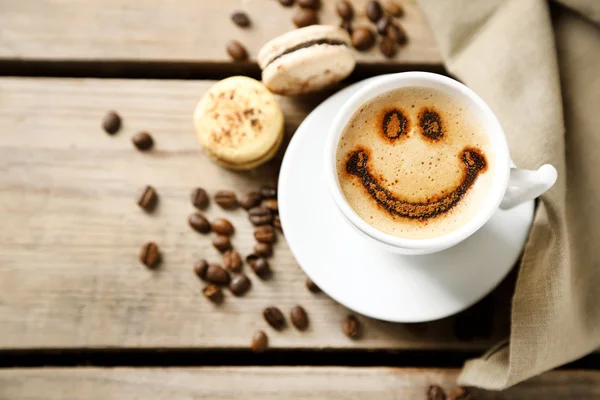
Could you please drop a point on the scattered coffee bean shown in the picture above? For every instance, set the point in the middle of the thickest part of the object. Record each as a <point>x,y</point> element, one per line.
<point>263,249</point>
<point>239,285</point>
<point>310,285</point>
<point>268,192</point>
<point>150,255</point>
<point>351,327</point>
<point>274,317</point>
<point>345,10</point>
<point>435,392</point>
<point>226,199</point>
<point>232,260</point>
<point>299,318</point>
<point>251,259</point>
<point>261,268</point>
<point>250,200</point>
<point>388,47</point>
<point>111,122</point>
<point>222,227</point>
<point>393,8</point>
<point>277,222</point>
<point>374,11</point>
<point>212,273</point>
<point>382,25</point>
<point>260,216</point>
<point>199,198</point>
<point>199,223</point>
<point>305,17</point>
<point>313,4</point>
<point>264,234</point>
<point>222,243</point>
<point>272,205</point>
<point>362,38</point>
<point>241,19</point>
<point>236,50</point>
<point>397,33</point>
<point>347,26</point>
<point>460,393</point>
<point>213,293</point>
<point>286,3</point>
<point>147,198</point>
<point>260,341</point>
<point>142,141</point>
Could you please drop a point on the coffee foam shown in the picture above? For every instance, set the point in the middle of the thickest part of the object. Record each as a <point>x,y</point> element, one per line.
<point>415,163</point>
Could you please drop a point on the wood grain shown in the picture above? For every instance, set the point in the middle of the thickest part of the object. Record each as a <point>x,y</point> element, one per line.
<point>71,231</point>
<point>189,31</point>
<point>273,383</point>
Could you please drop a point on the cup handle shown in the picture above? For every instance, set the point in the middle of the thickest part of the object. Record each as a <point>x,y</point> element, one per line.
<point>525,185</point>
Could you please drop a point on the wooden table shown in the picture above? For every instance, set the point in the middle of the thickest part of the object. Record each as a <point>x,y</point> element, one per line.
<point>81,318</point>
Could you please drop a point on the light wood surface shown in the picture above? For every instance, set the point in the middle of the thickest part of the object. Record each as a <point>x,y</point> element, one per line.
<point>171,31</point>
<point>273,383</point>
<point>71,231</point>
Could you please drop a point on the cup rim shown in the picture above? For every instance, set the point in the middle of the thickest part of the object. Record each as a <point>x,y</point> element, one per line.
<point>497,142</point>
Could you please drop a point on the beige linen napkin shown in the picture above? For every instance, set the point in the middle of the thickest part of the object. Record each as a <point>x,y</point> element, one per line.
<point>541,76</point>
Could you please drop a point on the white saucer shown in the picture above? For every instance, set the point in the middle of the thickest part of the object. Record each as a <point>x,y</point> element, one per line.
<point>371,281</point>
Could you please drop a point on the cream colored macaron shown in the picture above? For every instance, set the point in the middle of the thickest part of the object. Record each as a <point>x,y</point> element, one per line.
<point>239,123</point>
<point>306,60</point>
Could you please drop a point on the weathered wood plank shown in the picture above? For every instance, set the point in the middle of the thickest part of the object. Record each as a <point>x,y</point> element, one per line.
<point>273,383</point>
<point>71,231</point>
<point>176,31</point>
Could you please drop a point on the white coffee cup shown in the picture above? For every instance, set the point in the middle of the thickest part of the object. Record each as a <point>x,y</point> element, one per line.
<point>510,186</point>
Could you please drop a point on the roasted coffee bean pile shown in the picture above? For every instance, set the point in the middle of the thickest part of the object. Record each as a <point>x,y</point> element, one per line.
<point>435,392</point>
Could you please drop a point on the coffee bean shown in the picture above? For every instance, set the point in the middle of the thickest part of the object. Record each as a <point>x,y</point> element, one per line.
<point>398,34</point>
<point>383,25</point>
<point>260,216</point>
<point>305,17</point>
<point>147,198</point>
<point>226,199</point>
<point>143,141</point>
<point>260,341</point>
<point>212,273</point>
<point>277,222</point>
<point>199,198</point>
<point>362,38</point>
<point>261,268</point>
<point>388,47</point>
<point>264,234</point>
<point>213,293</point>
<point>460,393</point>
<point>347,26</point>
<point>239,285</point>
<point>251,259</point>
<point>222,243</point>
<point>374,11</point>
<point>286,3</point>
<point>222,227</point>
<point>393,8</point>
<point>351,327</point>
<point>272,205</point>
<point>150,255</point>
<point>263,249</point>
<point>111,122</point>
<point>345,10</point>
<point>200,268</point>
<point>299,318</point>
<point>435,393</point>
<point>274,317</point>
<point>236,50</point>
<point>241,19</point>
<point>232,260</point>
<point>199,223</point>
<point>310,285</point>
<point>313,4</point>
<point>250,200</point>
<point>268,192</point>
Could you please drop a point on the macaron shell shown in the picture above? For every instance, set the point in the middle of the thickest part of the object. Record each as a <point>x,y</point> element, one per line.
<point>309,69</point>
<point>238,121</point>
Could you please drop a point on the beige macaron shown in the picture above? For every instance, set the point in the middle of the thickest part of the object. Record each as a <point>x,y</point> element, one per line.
<point>306,60</point>
<point>239,123</point>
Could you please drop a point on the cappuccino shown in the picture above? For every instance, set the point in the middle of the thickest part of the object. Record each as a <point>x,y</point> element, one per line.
<point>415,163</point>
